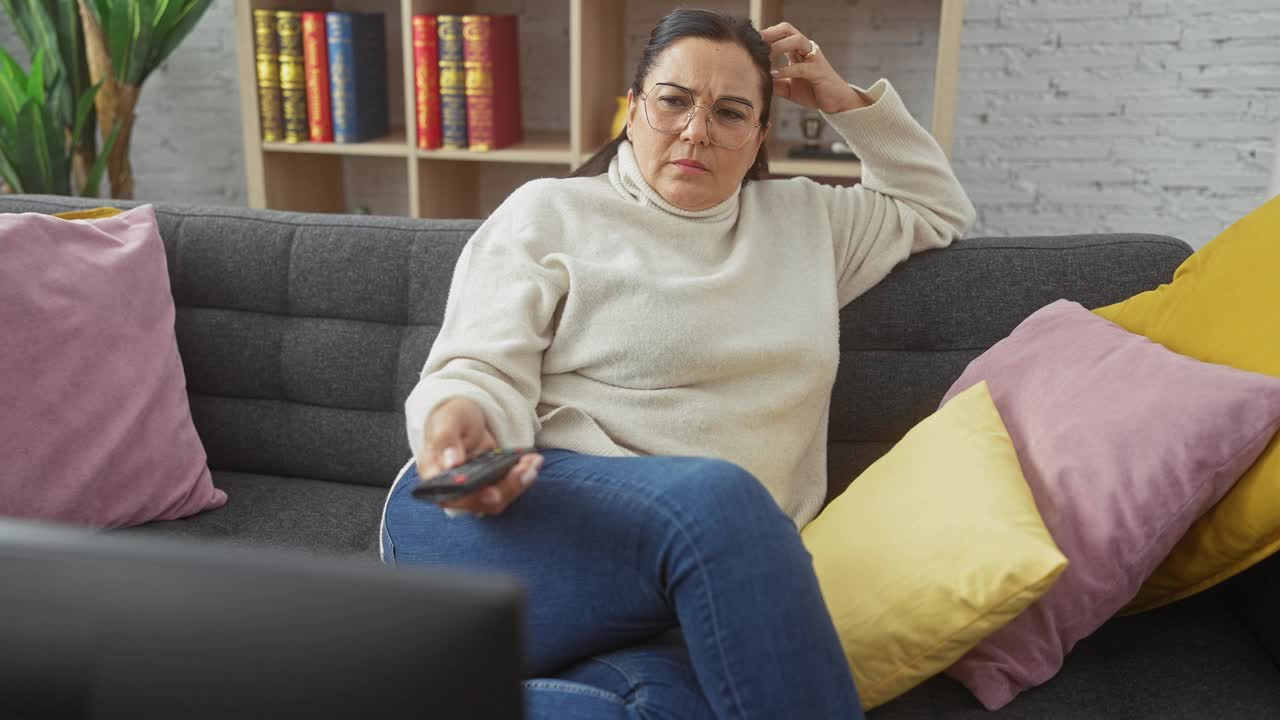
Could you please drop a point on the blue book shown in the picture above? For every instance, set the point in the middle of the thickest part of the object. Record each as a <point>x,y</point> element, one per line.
<point>358,76</point>
<point>453,83</point>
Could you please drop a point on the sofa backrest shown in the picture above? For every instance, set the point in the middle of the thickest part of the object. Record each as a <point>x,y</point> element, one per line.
<point>302,334</point>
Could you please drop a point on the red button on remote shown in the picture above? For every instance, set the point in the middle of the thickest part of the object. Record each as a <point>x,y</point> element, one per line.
<point>459,479</point>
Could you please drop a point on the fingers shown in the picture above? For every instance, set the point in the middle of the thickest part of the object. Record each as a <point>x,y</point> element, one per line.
<point>454,433</point>
<point>785,38</point>
<point>806,70</point>
<point>773,33</point>
<point>782,87</point>
<point>499,496</point>
<point>795,47</point>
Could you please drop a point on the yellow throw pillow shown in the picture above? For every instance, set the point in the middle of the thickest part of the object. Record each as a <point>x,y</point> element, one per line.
<point>934,547</point>
<point>1223,307</point>
<point>89,213</point>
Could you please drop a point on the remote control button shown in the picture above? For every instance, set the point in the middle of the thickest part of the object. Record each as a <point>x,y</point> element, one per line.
<point>459,479</point>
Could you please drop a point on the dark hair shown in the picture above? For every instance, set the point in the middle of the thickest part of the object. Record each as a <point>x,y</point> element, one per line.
<point>709,25</point>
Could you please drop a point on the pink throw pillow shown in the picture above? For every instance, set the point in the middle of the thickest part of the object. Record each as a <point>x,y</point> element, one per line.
<point>1124,444</point>
<point>94,423</point>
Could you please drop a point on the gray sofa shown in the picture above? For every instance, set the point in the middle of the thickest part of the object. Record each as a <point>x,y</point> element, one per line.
<point>302,334</point>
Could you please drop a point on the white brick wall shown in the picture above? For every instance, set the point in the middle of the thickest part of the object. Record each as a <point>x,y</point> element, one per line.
<point>1073,115</point>
<point>1154,116</point>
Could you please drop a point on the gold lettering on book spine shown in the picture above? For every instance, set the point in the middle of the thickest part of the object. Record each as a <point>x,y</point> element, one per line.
<point>267,61</point>
<point>421,78</point>
<point>478,70</point>
<point>293,77</point>
<point>338,88</point>
<point>453,101</point>
<point>313,36</point>
<point>421,75</point>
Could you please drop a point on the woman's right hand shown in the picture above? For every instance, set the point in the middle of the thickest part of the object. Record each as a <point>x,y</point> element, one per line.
<point>457,431</point>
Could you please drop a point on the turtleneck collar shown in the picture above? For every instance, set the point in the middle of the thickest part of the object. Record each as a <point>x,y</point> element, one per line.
<point>626,178</point>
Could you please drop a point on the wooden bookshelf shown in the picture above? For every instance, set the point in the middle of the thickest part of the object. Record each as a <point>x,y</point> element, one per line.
<point>463,183</point>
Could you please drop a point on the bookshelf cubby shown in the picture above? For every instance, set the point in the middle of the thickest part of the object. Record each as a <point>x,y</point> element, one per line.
<point>315,177</point>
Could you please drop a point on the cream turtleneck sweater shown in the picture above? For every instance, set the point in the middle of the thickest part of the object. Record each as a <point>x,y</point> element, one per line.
<point>592,315</point>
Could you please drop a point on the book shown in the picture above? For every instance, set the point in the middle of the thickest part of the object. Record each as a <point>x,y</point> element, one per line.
<point>315,62</point>
<point>491,64</point>
<point>453,83</point>
<point>426,80</point>
<point>293,79</point>
<point>358,98</point>
<point>266,53</point>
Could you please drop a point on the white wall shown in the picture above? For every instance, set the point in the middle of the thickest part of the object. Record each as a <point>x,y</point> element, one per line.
<point>1275,172</point>
<point>1103,116</point>
<point>1073,115</point>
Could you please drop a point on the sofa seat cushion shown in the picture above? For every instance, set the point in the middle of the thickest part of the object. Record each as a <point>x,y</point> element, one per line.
<point>1192,659</point>
<point>288,512</point>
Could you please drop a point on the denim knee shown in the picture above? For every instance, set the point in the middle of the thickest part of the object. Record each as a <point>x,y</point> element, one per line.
<point>713,491</point>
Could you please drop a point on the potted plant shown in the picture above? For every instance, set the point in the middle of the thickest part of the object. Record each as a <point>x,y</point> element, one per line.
<point>107,46</point>
<point>51,29</point>
<point>124,41</point>
<point>36,148</point>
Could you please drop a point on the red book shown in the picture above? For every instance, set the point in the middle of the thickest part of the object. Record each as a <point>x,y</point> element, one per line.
<point>426,80</point>
<point>315,62</point>
<point>490,60</point>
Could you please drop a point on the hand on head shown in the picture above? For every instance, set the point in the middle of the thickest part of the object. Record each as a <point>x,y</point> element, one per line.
<point>808,79</point>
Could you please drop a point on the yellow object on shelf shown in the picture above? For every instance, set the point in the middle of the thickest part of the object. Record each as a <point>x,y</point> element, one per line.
<point>619,117</point>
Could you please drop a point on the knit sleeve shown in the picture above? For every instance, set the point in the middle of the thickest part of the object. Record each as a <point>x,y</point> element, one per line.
<point>908,200</point>
<point>498,321</point>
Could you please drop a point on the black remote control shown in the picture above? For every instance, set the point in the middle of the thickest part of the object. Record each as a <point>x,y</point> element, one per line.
<point>480,471</point>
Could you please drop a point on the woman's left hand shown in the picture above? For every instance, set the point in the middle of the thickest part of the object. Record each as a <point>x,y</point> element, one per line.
<point>808,79</point>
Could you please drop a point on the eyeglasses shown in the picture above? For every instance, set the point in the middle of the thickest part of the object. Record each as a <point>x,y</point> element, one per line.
<point>670,108</point>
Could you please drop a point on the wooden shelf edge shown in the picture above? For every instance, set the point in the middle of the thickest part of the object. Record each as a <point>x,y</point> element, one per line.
<point>539,147</point>
<point>780,164</point>
<point>816,168</point>
<point>391,145</point>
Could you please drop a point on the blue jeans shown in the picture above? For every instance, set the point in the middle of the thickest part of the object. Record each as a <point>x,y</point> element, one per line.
<point>658,587</point>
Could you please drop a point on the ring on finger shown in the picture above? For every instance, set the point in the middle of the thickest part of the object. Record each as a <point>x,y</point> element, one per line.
<point>813,50</point>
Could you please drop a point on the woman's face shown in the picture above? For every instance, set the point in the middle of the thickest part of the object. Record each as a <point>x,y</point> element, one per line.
<point>685,168</point>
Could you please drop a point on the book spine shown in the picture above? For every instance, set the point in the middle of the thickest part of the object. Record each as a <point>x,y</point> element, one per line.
<point>341,80</point>
<point>477,69</point>
<point>426,80</point>
<point>293,76</point>
<point>315,60</point>
<point>453,84</point>
<point>492,81</point>
<point>267,59</point>
<point>369,68</point>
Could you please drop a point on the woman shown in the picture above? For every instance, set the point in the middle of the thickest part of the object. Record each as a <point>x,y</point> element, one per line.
<point>662,327</point>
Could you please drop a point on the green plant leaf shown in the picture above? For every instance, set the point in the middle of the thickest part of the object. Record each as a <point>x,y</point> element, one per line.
<point>43,34</point>
<point>118,31</point>
<point>94,178</point>
<point>35,157</point>
<point>54,26</point>
<point>140,36</point>
<point>13,89</point>
<point>65,16</point>
<point>83,107</point>
<point>9,175</point>
<point>35,81</point>
<point>42,39</point>
<point>185,21</point>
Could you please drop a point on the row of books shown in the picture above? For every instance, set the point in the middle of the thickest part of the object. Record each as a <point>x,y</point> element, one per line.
<point>466,79</point>
<point>322,76</point>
